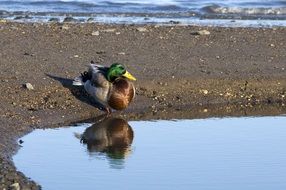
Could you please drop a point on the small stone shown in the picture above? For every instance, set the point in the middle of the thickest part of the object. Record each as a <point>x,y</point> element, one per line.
<point>18,17</point>
<point>100,52</point>
<point>109,30</point>
<point>205,110</point>
<point>15,186</point>
<point>141,29</point>
<point>70,19</point>
<point>54,20</point>
<point>76,56</point>
<point>272,45</point>
<point>117,33</point>
<point>3,20</point>
<point>205,91</point>
<point>121,53</point>
<point>95,33</point>
<point>201,32</point>
<point>227,94</point>
<point>174,22</point>
<point>90,19</point>
<point>29,86</point>
<point>65,27</point>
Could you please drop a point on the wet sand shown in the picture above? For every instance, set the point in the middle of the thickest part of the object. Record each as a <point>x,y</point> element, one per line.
<point>232,71</point>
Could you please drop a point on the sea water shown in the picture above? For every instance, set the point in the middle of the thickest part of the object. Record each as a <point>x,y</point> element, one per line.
<point>196,12</point>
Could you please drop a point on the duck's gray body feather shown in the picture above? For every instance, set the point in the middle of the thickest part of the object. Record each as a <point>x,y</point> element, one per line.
<point>97,85</point>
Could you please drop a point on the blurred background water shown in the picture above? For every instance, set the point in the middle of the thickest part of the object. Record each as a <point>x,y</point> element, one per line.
<point>147,11</point>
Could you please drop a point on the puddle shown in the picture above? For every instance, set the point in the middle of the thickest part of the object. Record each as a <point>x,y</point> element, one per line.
<point>227,153</point>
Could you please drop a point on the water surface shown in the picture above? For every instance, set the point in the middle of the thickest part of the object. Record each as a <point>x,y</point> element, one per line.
<point>199,12</point>
<point>227,153</point>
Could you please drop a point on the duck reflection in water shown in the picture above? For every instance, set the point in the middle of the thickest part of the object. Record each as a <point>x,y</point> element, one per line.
<point>111,136</point>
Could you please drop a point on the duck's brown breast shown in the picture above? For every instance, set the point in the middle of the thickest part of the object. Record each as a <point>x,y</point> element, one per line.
<point>122,93</point>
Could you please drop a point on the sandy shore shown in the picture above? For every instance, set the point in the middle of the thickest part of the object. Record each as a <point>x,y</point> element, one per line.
<point>232,71</point>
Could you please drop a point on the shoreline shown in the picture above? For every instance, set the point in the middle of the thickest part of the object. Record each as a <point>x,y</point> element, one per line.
<point>230,72</point>
<point>133,20</point>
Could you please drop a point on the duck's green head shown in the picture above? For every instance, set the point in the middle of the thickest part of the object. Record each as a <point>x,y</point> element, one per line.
<point>117,70</point>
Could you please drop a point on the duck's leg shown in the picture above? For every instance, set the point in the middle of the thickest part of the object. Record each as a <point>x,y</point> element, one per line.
<point>103,108</point>
<point>108,110</point>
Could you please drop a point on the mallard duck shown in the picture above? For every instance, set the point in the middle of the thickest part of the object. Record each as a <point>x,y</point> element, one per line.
<point>110,86</point>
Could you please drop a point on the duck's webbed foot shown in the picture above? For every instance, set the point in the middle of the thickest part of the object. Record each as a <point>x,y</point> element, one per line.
<point>103,107</point>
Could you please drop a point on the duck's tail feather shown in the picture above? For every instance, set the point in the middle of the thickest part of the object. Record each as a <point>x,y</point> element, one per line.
<point>78,81</point>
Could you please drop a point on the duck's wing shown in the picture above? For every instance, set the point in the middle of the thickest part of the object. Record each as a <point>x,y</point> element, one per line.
<point>95,74</point>
<point>94,68</point>
<point>98,75</point>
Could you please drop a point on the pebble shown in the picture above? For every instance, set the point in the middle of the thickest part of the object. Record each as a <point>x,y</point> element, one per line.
<point>70,19</point>
<point>15,186</point>
<point>65,27</point>
<point>109,30</point>
<point>3,20</point>
<point>141,29</point>
<point>201,32</point>
<point>54,20</point>
<point>22,17</point>
<point>29,86</point>
<point>90,19</point>
<point>95,33</point>
<point>205,91</point>
<point>174,22</point>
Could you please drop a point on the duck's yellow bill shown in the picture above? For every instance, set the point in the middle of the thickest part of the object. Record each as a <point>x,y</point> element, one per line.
<point>129,76</point>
